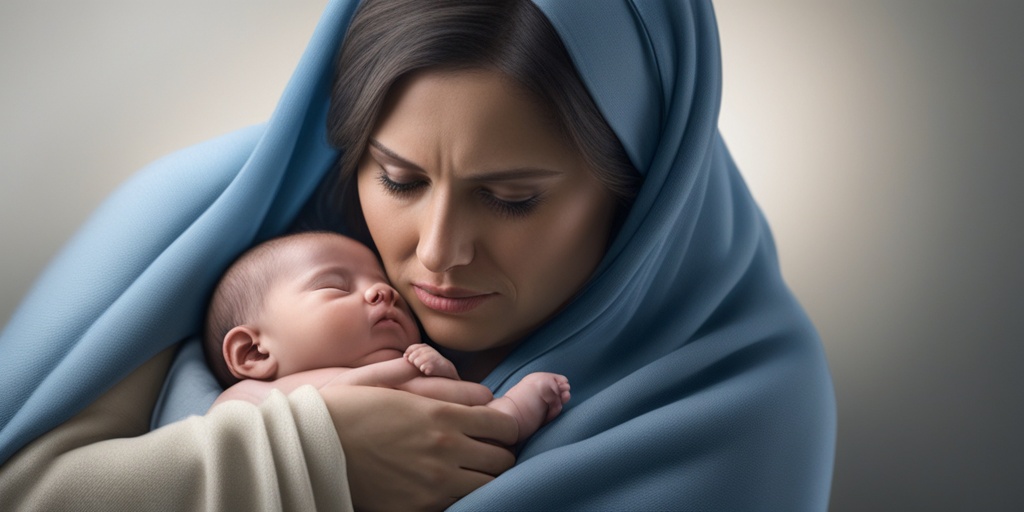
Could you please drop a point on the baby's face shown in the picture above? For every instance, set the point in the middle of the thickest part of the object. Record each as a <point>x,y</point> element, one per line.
<point>333,307</point>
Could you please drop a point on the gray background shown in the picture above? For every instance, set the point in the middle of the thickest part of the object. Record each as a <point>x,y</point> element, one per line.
<point>882,138</point>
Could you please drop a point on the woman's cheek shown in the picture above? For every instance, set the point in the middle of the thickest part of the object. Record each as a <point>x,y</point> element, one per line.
<point>388,220</point>
<point>372,202</point>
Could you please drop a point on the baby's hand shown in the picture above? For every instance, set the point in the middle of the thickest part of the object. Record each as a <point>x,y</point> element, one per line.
<point>430,361</point>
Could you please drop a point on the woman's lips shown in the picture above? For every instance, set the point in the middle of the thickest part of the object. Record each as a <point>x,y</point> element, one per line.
<point>449,300</point>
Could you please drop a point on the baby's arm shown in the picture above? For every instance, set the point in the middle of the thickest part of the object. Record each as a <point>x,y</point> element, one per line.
<point>389,374</point>
<point>255,391</point>
<point>404,373</point>
<point>534,401</point>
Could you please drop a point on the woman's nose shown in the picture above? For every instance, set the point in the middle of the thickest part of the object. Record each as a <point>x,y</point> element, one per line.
<point>379,293</point>
<point>444,242</point>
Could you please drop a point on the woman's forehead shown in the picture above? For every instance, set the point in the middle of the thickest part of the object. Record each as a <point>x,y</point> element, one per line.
<point>469,120</point>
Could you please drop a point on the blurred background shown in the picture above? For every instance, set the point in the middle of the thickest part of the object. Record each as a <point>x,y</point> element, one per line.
<point>882,138</point>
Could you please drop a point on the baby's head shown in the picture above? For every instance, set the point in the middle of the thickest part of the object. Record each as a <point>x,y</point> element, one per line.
<point>300,302</point>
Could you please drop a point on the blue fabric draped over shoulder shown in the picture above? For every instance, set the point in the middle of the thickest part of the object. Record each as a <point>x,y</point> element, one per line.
<point>698,381</point>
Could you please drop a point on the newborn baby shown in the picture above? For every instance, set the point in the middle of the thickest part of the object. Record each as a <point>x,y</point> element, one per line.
<point>316,308</point>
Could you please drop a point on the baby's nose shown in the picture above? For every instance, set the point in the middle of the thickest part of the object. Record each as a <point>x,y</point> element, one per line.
<point>381,292</point>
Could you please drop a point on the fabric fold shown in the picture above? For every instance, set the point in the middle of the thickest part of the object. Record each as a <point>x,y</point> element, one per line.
<point>134,279</point>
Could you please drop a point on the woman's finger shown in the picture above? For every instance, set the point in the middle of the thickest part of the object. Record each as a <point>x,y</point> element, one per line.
<point>483,423</point>
<point>484,457</point>
<point>466,481</point>
<point>407,452</point>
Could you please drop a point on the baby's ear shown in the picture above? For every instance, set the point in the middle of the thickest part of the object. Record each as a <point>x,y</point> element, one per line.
<point>245,357</point>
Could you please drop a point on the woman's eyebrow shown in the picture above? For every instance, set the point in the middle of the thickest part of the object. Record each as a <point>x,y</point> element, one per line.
<point>522,173</point>
<point>489,176</point>
<point>392,155</point>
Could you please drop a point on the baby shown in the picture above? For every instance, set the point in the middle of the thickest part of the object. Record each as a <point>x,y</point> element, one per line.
<point>316,308</point>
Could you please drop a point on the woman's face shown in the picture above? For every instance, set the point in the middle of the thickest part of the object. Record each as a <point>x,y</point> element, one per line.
<point>487,220</point>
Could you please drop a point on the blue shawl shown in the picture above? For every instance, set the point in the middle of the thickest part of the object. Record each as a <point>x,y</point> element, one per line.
<point>698,381</point>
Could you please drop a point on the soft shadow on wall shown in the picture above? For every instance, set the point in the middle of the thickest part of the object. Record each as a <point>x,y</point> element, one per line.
<point>882,139</point>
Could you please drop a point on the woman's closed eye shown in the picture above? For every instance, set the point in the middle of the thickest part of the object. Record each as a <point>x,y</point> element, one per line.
<point>398,187</point>
<point>512,208</point>
<point>516,207</point>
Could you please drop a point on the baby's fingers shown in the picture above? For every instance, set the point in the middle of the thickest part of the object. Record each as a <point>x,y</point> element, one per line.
<point>414,348</point>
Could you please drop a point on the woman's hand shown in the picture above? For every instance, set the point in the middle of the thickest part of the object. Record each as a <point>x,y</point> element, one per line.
<point>407,452</point>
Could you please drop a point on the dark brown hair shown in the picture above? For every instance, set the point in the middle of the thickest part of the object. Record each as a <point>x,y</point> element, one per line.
<point>389,39</point>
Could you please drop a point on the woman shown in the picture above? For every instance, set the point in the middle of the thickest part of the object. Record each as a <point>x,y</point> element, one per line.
<point>697,381</point>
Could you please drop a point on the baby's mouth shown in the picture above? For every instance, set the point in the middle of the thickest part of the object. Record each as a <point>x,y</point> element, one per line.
<point>386,317</point>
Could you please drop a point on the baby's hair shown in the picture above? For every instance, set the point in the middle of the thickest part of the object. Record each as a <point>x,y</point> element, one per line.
<point>239,296</point>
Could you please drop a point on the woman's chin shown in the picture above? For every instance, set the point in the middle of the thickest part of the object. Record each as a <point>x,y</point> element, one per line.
<point>460,338</point>
<point>479,335</point>
<point>469,339</point>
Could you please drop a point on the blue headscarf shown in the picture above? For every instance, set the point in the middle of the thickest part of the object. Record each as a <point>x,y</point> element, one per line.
<point>698,381</point>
